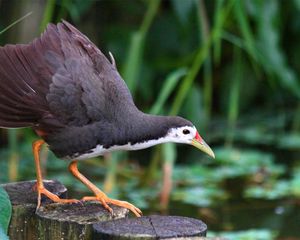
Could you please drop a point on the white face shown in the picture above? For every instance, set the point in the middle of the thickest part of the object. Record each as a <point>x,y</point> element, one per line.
<point>182,134</point>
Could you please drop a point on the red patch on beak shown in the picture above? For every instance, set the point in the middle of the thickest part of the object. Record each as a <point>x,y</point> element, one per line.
<point>198,137</point>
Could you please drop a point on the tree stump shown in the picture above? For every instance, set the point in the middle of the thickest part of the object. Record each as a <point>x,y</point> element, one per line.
<point>151,227</point>
<point>23,197</point>
<point>53,221</point>
<point>74,221</point>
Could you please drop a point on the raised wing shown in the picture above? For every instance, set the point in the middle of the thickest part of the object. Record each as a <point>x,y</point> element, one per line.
<point>60,79</point>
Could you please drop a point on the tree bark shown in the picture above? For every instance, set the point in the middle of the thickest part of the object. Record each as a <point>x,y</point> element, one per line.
<point>52,220</point>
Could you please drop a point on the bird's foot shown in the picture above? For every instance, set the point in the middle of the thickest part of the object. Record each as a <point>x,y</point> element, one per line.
<point>104,200</point>
<point>52,196</point>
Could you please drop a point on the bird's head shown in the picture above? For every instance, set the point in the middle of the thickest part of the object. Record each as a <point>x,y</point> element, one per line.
<point>183,131</point>
<point>189,135</point>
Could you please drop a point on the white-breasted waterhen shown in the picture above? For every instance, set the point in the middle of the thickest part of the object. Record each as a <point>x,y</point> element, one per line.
<point>63,87</point>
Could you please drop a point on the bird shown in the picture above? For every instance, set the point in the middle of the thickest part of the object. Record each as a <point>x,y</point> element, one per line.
<point>64,88</point>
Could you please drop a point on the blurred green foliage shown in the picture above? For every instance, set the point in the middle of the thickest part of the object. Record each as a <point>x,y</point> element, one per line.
<point>257,234</point>
<point>5,209</point>
<point>229,66</point>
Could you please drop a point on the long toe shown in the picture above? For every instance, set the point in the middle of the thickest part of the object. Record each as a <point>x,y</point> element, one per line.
<point>127,205</point>
<point>105,201</point>
<point>54,197</point>
<point>99,199</point>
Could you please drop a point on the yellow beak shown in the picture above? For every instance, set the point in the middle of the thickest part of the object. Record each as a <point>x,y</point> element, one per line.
<point>202,145</point>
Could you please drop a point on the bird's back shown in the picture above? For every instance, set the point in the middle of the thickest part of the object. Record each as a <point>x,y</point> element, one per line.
<point>61,75</point>
<point>61,82</point>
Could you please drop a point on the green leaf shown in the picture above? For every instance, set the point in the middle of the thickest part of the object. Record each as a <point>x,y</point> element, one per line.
<point>245,28</point>
<point>218,22</point>
<point>289,141</point>
<point>75,8</point>
<point>297,4</point>
<point>5,210</point>
<point>280,189</point>
<point>192,108</point>
<point>183,9</point>
<point>48,14</point>
<point>168,87</point>
<point>199,196</point>
<point>198,61</point>
<point>258,234</point>
<point>133,64</point>
<point>272,56</point>
<point>3,236</point>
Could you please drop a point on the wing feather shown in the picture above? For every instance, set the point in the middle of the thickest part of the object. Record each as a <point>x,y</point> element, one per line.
<point>60,79</point>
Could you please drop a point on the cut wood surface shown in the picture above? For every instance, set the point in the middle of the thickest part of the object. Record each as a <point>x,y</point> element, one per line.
<point>151,227</point>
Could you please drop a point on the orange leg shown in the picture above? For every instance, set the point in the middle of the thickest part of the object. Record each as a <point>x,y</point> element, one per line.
<point>36,147</point>
<point>99,195</point>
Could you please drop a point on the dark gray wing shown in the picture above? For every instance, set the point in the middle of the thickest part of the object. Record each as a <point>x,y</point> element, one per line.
<point>60,79</point>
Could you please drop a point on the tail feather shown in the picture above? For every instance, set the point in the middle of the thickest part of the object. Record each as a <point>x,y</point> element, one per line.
<point>25,77</point>
<point>5,109</point>
<point>14,124</point>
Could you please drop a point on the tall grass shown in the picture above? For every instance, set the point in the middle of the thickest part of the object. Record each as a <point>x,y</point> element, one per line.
<point>218,25</point>
<point>199,59</point>
<point>133,64</point>
<point>15,22</point>
<point>234,97</point>
<point>48,14</point>
<point>13,155</point>
<point>207,73</point>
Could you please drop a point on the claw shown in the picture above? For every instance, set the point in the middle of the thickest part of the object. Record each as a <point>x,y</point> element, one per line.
<point>104,200</point>
<point>53,197</point>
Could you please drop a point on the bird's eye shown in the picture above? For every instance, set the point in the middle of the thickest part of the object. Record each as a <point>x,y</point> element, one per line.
<point>186,131</point>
